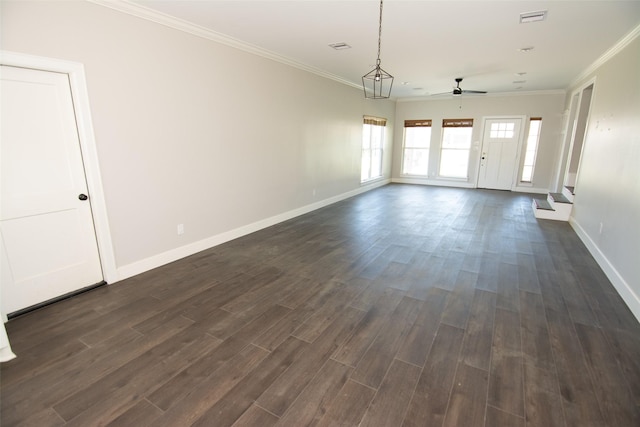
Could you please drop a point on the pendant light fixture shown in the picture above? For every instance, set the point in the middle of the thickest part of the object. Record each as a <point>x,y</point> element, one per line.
<point>377,82</point>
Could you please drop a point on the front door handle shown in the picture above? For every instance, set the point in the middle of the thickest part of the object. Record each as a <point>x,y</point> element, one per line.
<point>83,197</point>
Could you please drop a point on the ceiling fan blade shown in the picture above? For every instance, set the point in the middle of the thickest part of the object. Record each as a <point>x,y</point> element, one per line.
<point>441,93</point>
<point>474,91</point>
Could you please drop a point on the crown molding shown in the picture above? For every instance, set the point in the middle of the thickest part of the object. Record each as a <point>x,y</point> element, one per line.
<point>143,12</point>
<point>613,51</point>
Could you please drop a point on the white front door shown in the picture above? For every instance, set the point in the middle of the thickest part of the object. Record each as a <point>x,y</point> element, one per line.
<point>499,155</point>
<point>48,246</point>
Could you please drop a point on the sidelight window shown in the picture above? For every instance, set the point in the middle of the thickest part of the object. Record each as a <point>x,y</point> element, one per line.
<point>535,124</point>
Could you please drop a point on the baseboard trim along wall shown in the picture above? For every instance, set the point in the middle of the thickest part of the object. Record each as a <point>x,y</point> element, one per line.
<point>624,290</point>
<point>461,184</point>
<point>534,190</point>
<point>434,182</point>
<point>163,258</point>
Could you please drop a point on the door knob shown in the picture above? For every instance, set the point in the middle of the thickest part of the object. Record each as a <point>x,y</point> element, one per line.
<point>83,197</point>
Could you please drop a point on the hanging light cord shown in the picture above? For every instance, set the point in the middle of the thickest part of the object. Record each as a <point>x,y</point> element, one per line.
<point>379,34</point>
<point>374,80</point>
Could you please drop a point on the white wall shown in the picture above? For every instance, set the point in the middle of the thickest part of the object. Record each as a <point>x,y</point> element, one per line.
<point>549,106</point>
<point>193,132</point>
<point>608,187</point>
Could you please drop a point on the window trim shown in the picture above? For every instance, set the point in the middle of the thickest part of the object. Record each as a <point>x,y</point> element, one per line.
<point>413,124</point>
<point>382,123</point>
<point>455,123</point>
<point>535,154</point>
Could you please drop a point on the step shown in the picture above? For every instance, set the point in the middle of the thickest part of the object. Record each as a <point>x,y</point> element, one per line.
<point>559,198</point>
<point>561,205</point>
<point>542,204</point>
<point>545,209</point>
<point>569,193</point>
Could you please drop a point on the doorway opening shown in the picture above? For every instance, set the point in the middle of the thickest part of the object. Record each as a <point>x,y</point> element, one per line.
<point>576,131</point>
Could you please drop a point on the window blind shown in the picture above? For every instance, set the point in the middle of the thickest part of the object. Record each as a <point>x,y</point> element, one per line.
<point>457,123</point>
<point>377,121</point>
<point>417,123</point>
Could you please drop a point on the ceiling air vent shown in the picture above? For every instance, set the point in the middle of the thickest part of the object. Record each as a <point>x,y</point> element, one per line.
<point>340,46</point>
<point>528,17</point>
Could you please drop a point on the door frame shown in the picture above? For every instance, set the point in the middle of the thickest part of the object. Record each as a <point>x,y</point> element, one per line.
<point>568,129</point>
<point>88,149</point>
<point>523,128</point>
<point>571,127</point>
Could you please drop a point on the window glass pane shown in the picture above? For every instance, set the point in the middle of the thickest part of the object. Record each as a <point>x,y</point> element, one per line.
<point>417,137</point>
<point>454,157</point>
<point>531,150</point>
<point>372,152</point>
<point>416,161</point>
<point>415,156</point>
<point>529,157</point>
<point>496,129</point>
<point>376,163</point>
<point>454,163</point>
<point>459,138</point>
<point>366,165</point>
<point>366,137</point>
<point>502,130</point>
<point>534,127</point>
<point>376,137</point>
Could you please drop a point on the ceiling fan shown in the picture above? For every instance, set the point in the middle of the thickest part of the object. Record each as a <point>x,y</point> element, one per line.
<point>457,90</point>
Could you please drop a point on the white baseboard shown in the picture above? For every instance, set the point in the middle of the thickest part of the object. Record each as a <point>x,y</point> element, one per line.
<point>461,184</point>
<point>434,182</point>
<point>534,190</point>
<point>163,258</point>
<point>624,289</point>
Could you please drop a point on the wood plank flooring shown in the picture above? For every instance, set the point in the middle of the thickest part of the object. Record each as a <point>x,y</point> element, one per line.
<point>404,306</point>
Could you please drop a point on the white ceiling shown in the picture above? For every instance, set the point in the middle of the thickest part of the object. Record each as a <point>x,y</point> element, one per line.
<point>424,43</point>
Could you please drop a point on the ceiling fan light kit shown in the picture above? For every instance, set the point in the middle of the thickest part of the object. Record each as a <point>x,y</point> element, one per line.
<point>377,83</point>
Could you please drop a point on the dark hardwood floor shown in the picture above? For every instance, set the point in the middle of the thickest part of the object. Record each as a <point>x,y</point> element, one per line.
<point>404,306</point>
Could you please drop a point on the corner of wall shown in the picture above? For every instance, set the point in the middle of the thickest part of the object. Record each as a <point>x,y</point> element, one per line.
<point>620,284</point>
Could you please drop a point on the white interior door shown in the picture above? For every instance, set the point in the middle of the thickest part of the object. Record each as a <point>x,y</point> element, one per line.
<point>48,246</point>
<point>499,156</point>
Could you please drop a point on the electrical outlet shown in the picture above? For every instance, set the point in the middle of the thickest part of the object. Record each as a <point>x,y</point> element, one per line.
<point>180,229</point>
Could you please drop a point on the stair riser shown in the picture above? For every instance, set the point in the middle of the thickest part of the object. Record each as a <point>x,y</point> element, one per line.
<point>563,210</point>
<point>568,194</point>
<point>561,214</point>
